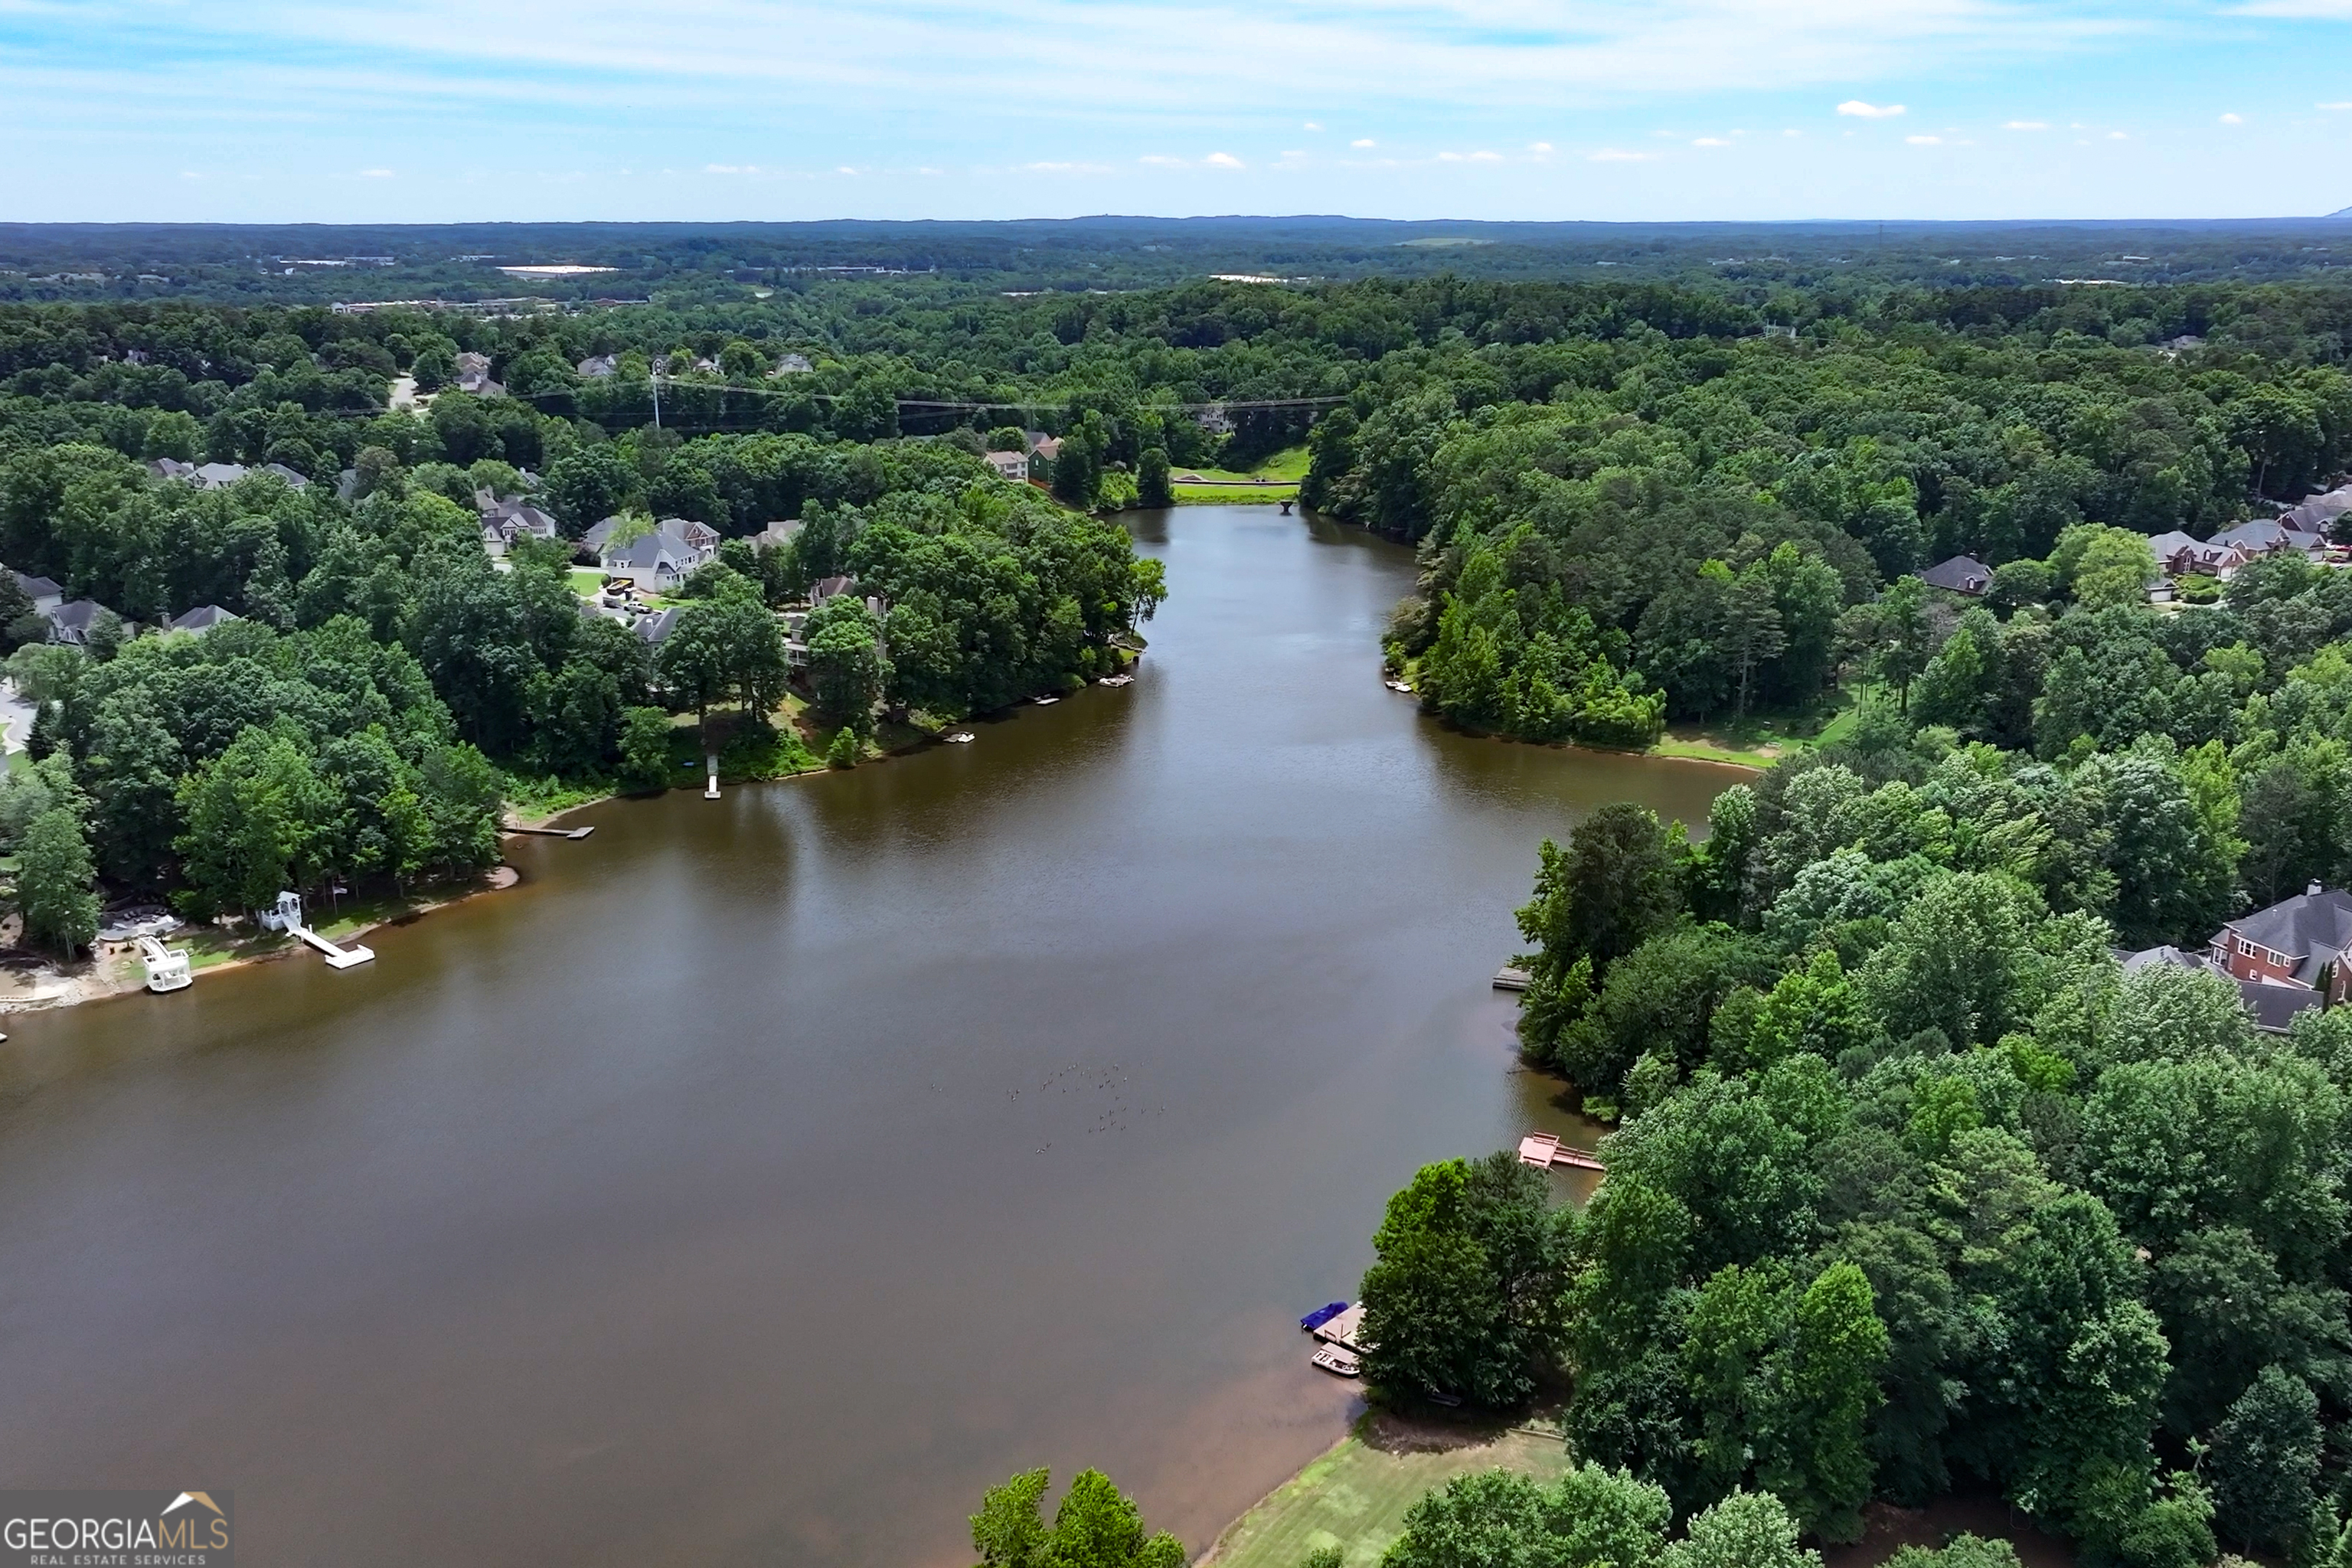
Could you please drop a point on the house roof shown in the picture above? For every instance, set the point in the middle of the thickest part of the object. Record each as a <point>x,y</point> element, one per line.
<point>649,552</point>
<point>2305,927</point>
<point>2265,535</point>
<point>170,467</point>
<point>212,476</point>
<point>39,587</point>
<point>294,477</point>
<point>656,627</point>
<point>203,618</point>
<point>826,587</point>
<point>1961,575</point>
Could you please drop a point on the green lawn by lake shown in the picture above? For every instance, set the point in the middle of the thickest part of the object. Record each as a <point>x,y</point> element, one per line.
<point>1355,1498</point>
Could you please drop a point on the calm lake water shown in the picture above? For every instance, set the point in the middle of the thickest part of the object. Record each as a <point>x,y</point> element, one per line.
<point>762,1179</point>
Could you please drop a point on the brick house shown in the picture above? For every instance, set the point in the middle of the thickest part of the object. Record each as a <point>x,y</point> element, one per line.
<point>2298,941</point>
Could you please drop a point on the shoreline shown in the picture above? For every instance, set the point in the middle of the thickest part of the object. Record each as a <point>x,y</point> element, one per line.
<point>116,971</point>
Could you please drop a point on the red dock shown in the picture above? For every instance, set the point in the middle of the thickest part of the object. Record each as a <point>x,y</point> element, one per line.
<point>1543,1150</point>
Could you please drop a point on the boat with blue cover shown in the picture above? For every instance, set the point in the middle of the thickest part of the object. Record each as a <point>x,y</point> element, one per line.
<point>1322,1315</point>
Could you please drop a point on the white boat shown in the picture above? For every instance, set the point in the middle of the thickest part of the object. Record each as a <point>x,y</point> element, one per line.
<point>1116,680</point>
<point>1339,1362</point>
<point>1398,686</point>
<point>1047,702</point>
<point>961,738</point>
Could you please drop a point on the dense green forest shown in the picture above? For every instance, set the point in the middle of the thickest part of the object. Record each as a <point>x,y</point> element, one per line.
<point>1914,1186</point>
<point>885,263</point>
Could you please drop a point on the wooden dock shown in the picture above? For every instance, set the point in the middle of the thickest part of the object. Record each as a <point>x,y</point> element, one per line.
<point>1543,1150</point>
<point>1509,979</point>
<point>552,831</point>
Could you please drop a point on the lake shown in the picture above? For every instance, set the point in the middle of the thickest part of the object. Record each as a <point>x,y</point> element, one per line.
<point>762,1179</point>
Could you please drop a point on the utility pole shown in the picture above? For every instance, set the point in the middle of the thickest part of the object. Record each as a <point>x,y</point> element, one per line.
<point>656,381</point>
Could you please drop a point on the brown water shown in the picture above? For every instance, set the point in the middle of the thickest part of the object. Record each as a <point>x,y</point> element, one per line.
<point>762,1179</point>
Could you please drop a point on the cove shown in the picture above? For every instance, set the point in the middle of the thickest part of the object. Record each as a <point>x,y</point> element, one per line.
<point>762,1179</point>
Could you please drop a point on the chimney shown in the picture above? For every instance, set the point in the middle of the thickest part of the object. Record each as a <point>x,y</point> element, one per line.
<point>2313,891</point>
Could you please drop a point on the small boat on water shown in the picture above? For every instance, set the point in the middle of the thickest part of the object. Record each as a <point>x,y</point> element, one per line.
<point>1322,1315</point>
<point>1047,702</point>
<point>1339,1362</point>
<point>1116,680</point>
<point>1398,686</point>
<point>961,738</point>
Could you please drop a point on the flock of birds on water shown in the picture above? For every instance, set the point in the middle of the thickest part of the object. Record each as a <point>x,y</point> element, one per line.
<point>1115,1119</point>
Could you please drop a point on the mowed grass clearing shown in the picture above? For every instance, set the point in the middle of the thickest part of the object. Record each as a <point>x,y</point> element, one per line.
<point>1355,1496</point>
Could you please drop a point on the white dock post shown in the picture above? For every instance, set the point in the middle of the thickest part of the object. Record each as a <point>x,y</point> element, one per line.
<point>710,790</point>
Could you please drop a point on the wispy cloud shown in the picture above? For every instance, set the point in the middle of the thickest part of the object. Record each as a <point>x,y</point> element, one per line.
<point>1618,156</point>
<point>376,173</point>
<point>1712,141</point>
<point>2233,120</point>
<point>1862,110</point>
<point>1222,160</point>
<point>1363,144</point>
<point>2025,125</point>
<point>1925,141</point>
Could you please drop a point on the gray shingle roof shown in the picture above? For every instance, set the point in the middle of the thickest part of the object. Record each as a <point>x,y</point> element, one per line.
<point>1961,575</point>
<point>2300,926</point>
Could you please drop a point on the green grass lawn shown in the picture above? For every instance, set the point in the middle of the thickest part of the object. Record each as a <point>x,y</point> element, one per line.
<point>1289,464</point>
<point>587,582</point>
<point>1355,1498</point>
<point>1758,743</point>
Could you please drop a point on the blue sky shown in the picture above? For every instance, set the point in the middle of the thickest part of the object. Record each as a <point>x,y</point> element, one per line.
<point>425,110</point>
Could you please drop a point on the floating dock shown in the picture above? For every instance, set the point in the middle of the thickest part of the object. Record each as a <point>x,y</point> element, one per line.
<point>336,957</point>
<point>552,831</point>
<point>1342,1330</point>
<point>710,790</point>
<point>1543,1150</point>
<point>1509,979</point>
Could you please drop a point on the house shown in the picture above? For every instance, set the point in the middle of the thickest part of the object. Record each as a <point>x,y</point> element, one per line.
<point>656,562</point>
<point>2178,555</point>
<point>596,367</point>
<point>697,541</point>
<point>201,619</point>
<point>1961,574</point>
<point>45,593</point>
<point>506,519</point>
<point>825,588</point>
<point>215,476</point>
<point>2267,538</point>
<point>776,535</point>
<point>474,375</point>
<point>2273,1006</point>
<point>72,623</point>
<point>654,629</point>
<point>2319,513</point>
<point>792,365</point>
<point>296,480</point>
<point>1013,466</point>
<point>170,467</point>
<point>698,537</point>
<point>1048,448</point>
<point>2298,941</point>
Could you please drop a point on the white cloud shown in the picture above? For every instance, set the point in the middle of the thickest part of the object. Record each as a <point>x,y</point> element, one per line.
<point>1618,156</point>
<point>376,173</point>
<point>1312,126</point>
<point>1160,161</point>
<point>2117,136</point>
<point>1711,142</point>
<point>1221,161</point>
<point>1055,168</point>
<point>845,169</point>
<point>1862,110</point>
<point>1363,144</point>
<point>1792,130</point>
<point>2345,105</point>
<point>2025,125</point>
<point>1540,148</point>
<point>1925,141</point>
<point>2233,120</point>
